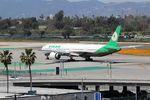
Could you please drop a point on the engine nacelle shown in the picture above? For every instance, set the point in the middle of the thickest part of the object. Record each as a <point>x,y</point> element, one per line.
<point>54,55</point>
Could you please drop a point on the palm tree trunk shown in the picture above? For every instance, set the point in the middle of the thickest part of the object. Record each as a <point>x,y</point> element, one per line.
<point>7,78</point>
<point>30,77</point>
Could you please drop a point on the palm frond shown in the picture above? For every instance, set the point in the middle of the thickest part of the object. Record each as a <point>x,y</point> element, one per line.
<point>28,57</point>
<point>6,57</point>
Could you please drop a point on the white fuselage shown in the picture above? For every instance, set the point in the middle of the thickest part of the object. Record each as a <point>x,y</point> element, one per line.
<point>71,47</point>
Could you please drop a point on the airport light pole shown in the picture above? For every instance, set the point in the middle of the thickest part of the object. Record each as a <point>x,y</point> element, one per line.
<point>107,70</point>
<point>20,66</point>
<point>15,70</point>
<point>110,70</point>
<point>62,67</point>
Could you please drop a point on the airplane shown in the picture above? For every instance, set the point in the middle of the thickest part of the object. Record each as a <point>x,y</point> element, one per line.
<point>56,50</point>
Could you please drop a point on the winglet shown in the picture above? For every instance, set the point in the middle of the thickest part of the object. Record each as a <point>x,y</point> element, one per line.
<point>114,39</point>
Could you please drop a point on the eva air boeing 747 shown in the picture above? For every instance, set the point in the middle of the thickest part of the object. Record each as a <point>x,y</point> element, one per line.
<point>56,50</point>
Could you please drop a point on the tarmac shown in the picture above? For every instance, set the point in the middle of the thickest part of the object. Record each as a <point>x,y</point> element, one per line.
<point>115,66</point>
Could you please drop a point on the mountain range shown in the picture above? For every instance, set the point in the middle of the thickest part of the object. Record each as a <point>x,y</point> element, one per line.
<point>29,8</point>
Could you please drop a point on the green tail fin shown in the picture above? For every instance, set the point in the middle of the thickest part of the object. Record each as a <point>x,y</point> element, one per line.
<point>114,39</point>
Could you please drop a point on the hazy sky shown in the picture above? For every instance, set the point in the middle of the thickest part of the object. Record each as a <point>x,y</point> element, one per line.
<point>106,1</point>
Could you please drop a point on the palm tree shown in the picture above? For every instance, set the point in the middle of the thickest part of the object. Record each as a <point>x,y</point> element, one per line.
<point>28,58</point>
<point>5,58</point>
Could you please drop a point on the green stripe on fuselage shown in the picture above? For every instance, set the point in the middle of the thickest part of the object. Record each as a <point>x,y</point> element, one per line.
<point>107,49</point>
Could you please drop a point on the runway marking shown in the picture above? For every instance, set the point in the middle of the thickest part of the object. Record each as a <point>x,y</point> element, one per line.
<point>142,66</point>
<point>66,69</point>
<point>7,48</point>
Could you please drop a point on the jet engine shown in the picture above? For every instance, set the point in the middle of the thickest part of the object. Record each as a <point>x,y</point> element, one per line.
<point>54,55</point>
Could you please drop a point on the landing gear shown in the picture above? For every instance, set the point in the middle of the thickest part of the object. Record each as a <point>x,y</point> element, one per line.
<point>88,59</point>
<point>47,57</point>
<point>47,54</point>
<point>71,59</point>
